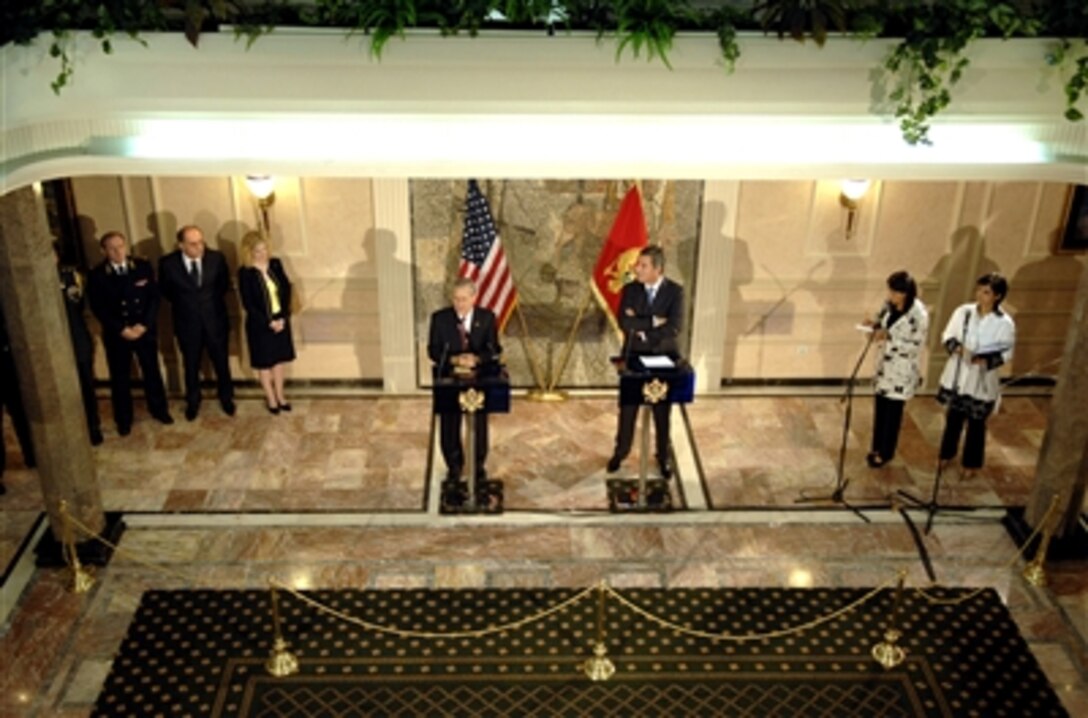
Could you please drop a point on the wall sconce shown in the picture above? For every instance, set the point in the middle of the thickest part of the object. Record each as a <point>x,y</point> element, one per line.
<point>263,189</point>
<point>850,197</point>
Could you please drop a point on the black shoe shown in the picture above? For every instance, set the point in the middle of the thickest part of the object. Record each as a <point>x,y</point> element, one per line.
<point>614,464</point>
<point>3,489</point>
<point>666,469</point>
<point>285,407</point>
<point>191,411</point>
<point>164,418</point>
<point>273,410</point>
<point>124,429</point>
<point>96,436</point>
<point>228,407</point>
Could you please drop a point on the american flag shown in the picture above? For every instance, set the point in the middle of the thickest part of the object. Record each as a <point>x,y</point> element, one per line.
<point>483,260</point>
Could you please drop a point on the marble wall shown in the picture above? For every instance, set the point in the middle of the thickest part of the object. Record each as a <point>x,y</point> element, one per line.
<point>552,233</point>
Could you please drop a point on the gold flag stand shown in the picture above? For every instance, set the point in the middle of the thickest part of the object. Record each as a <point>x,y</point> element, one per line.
<point>541,392</point>
<point>82,580</point>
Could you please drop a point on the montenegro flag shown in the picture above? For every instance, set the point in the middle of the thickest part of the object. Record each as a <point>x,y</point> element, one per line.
<point>616,262</point>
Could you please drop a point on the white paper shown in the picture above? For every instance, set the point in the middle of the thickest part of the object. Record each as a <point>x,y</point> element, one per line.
<point>656,361</point>
<point>864,328</point>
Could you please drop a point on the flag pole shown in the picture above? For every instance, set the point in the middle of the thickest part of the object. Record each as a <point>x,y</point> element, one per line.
<point>538,393</point>
<point>569,346</point>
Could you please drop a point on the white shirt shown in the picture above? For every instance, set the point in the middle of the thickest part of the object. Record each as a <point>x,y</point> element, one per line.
<point>979,335</point>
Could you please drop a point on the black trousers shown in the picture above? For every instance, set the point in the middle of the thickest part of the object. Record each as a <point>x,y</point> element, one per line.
<point>192,348</point>
<point>86,388</point>
<point>887,419</point>
<point>626,432</point>
<point>119,354</point>
<point>974,446</point>
<point>11,401</point>
<point>451,443</point>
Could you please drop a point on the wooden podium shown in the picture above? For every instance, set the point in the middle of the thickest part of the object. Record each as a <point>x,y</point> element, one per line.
<point>646,388</point>
<point>471,396</point>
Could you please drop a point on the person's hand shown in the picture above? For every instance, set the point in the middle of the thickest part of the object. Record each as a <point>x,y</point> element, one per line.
<point>276,325</point>
<point>980,361</point>
<point>868,322</point>
<point>134,332</point>
<point>880,334</point>
<point>641,336</point>
<point>660,322</point>
<point>629,312</point>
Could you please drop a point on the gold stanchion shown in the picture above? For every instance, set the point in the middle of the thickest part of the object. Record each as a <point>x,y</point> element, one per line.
<point>887,653</point>
<point>600,667</point>
<point>82,579</point>
<point>1035,571</point>
<point>281,662</point>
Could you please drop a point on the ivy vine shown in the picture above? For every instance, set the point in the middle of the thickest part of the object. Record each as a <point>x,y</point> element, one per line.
<point>921,71</point>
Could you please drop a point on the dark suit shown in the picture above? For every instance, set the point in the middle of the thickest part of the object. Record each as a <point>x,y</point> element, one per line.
<point>200,318</point>
<point>71,289</point>
<point>120,301</point>
<point>266,347</point>
<point>12,400</point>
<point>636,316</point>
<point>444,343</point>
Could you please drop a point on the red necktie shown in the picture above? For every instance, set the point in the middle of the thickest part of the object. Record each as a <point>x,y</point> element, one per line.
<point>463,333</point>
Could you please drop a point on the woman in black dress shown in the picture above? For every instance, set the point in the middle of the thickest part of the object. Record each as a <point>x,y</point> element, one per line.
<point>266,297</point>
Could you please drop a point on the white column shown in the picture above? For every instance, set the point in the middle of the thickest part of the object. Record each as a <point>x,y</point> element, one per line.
<point>393,245</point>
<point>713,274</point>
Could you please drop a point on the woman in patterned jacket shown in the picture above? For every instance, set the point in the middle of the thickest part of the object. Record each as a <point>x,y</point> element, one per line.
<point>901,331</point>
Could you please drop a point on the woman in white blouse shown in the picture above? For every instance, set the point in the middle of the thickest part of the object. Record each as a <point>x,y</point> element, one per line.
<point>901,328</point>
<point>979,339</point>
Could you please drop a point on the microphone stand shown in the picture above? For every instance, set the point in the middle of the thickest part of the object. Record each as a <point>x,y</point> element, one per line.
<point>931,506</point>
<point>841,482</point>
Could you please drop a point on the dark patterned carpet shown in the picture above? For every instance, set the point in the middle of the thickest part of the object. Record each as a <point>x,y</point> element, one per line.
<point>202,653</point>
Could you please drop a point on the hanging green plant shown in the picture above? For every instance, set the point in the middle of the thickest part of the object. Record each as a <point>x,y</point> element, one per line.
<point>931,59</point>
<point>1076,86</point>
<point>380,19</point>
<point>801,18</point>
<point>649,24</point>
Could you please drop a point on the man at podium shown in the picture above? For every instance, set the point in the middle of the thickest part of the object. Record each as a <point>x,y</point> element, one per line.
<point>650,314</point>
<point>463,345</point>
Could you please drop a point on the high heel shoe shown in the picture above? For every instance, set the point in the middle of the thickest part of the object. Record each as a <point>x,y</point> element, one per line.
<point>272,409</point>
<point>285,406</point>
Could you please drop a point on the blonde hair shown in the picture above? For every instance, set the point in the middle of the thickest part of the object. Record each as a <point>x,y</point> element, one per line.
<point>251,241</point>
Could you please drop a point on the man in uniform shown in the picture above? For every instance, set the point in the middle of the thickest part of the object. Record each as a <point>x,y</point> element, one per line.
<point>125,298</point>
<point>71,291</point>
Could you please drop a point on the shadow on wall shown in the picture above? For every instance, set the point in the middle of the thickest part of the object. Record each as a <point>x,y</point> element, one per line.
<point>949,284</point>
<point>351,324</point>
<point>1041,296</point>
<point>162,229</point>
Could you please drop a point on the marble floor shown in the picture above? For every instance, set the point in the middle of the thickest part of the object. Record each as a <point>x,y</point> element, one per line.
<point>341,492</point>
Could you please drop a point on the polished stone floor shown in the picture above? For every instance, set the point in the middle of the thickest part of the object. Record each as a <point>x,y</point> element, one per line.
<point>341,492</point>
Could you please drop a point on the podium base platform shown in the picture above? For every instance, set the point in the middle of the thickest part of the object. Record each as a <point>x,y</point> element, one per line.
<point>623,496</point>
<point>489,498</point>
